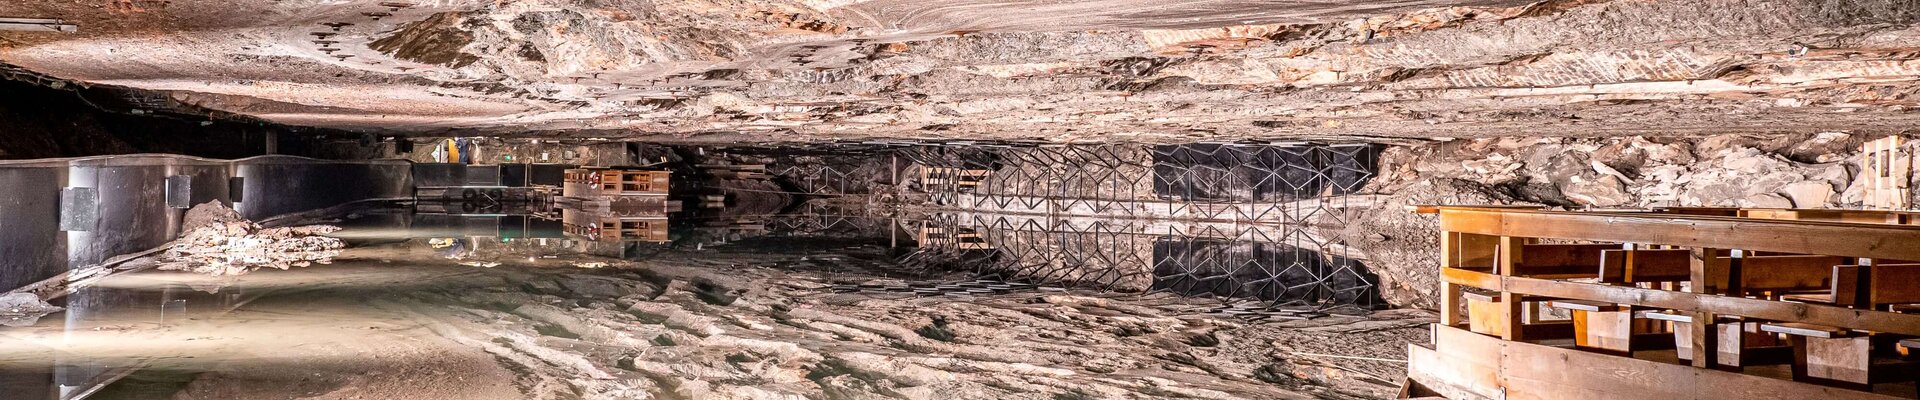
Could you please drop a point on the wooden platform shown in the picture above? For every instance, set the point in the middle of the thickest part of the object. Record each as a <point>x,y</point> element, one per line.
<point>1463,365</point>
<point>1727,284</point>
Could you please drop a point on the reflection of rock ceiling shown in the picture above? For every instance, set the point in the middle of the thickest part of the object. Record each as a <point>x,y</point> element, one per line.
<point>1059,70</point>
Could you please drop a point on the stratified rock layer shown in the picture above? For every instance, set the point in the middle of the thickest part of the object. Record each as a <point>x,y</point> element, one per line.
<point>716,70</point>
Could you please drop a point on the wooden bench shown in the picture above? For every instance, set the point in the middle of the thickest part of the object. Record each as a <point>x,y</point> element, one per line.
<point>1758,273</point>
<point>1487,315</point>
<point>1637,266</point>
<point>1605,327</point>
<point>1839,357</point>
<point>1561,261</point>
<point>1778,274</point>
<point>1741,344</point>
<point>1868,286</point>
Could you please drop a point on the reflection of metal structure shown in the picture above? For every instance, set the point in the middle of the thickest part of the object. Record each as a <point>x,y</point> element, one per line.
<point>1236,219</point>
<point>816,218</point>
<point>1289,268</point>
<point>1211,182</point>
<point>954,179</point>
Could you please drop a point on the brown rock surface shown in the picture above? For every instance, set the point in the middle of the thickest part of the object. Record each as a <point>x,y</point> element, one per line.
<point>716,70</point>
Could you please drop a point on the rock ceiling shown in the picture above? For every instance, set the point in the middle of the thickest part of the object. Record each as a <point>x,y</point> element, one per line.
<point>1147,70</point>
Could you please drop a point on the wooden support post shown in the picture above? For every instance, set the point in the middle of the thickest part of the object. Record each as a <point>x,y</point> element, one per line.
<point>1462,250</point>
<point>1509,259</point>
<point>1449,292</point>
<point>1709,274</point>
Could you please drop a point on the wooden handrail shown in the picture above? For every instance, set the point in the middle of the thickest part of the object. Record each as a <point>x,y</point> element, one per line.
<point>1878,321</point>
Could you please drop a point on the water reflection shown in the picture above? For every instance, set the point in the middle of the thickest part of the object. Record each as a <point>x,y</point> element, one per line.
<point>1238,222</point>
<point>65,217</point>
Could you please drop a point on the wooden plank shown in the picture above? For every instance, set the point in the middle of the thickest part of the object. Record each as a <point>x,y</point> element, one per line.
<point>1610,331</point>
<point>1800,329</point>
<point>1869,320</point>
<point>1450,303</point>
<point>1567,374</point>
<point>1852,216</point>
<point>1665,265</point>
<point>1456,377</point>
<point>1562,260</point>
<point>1475,251</point>
<point>1665,316</point>
<point>1710,274</point>
<point>1532,371</point>
<point>1471,279</point>
<point>1893,284</point>
<point>1880,241</point>
<point>1787,273</point>
<point>1849,286</point>
<point>1487,315</point>
<point>1583,305</point>
<point>1844,359</point>
<point>1512,250</point>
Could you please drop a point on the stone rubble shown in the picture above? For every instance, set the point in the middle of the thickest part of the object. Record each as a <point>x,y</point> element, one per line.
<point>219,242</point>
<point>23,309</point>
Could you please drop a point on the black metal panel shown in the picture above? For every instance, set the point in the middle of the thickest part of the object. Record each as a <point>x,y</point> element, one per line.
<point>31,244</point>
<point>547,174</point>
<point>236,189</point>
<point>180,191</point>
<point>483,175</point>
<point>513,175</point>
<point>282,185</point>
<point>439,174</point>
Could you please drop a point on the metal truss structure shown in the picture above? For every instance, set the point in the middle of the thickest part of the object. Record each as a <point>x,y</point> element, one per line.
<point>1234,221</point>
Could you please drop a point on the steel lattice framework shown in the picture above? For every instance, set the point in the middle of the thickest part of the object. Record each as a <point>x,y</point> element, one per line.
<point>1234,221</point>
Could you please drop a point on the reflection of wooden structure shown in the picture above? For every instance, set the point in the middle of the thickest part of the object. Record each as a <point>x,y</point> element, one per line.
<point>952,177</point>
<point>594,182</point>
<point>1680,303</point>
<point>959,238</point>
<point>609,227</point>
<point>604,204</point>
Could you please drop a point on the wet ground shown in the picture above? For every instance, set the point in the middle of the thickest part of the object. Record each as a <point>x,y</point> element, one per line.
<point>1202,271</point>
<point>406,314</point>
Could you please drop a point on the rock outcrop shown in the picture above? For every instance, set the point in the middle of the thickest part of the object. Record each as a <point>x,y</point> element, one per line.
<point>1164,71</point>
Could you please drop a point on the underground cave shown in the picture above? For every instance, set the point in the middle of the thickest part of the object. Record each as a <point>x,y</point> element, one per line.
<point>880,199</point>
